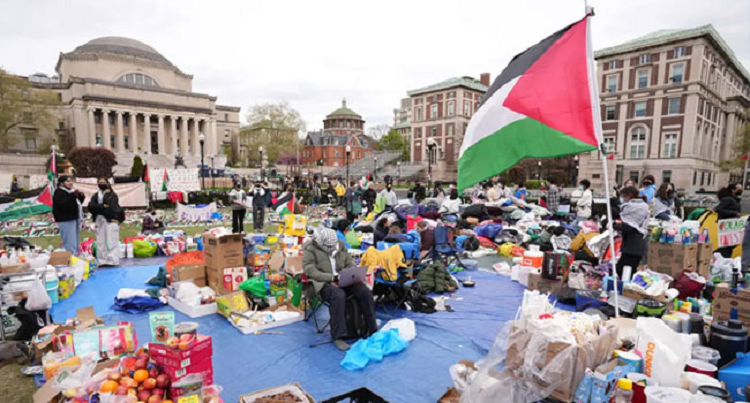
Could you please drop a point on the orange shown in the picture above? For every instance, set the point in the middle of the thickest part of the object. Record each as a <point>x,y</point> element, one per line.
<point>140,375</point>
<point>109,386</point>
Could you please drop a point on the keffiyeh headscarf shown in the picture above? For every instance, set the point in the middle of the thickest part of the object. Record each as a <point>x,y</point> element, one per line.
<point>635,213</point>
<point>326,238</point>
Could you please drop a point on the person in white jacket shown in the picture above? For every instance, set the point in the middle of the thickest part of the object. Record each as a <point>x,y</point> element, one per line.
<point>391,200</point>
<point>585,203</point>
<point>450,205</point>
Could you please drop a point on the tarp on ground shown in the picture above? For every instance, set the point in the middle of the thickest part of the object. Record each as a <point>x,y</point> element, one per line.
<point>130,194</point>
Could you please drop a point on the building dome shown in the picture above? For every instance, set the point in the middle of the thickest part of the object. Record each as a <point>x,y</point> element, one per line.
<point>343,111</point>
<point>121,46</point>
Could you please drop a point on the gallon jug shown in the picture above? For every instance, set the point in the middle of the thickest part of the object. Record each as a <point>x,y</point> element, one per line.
<point>729,338</point>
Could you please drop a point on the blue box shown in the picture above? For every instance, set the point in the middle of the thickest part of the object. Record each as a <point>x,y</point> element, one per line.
<point>736,375</point>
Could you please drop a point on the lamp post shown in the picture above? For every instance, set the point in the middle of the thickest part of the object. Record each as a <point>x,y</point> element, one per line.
<point>348,154</point>
<point>575,173</point>
<point>213,182</point>
<point>260,151</point>
<point>430,152</point>
<point>375,170</point>
<point>202,140</point>
<point>398,168</point>
<point>539,174</point>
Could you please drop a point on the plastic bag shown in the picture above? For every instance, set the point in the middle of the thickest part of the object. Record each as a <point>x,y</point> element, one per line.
<point>79,268</point>
<point>144,248</point>
<point>663,350</point>
<point>722,267</point>
<point>405,328</point>
<point>38,300</point>
<point>75,377</point>
<point>255,286</point>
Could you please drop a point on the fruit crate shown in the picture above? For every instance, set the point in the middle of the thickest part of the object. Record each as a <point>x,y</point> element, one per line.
<point>361,395</point>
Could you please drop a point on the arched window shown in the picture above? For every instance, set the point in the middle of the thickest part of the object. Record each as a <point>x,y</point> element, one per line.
<point>638,143</point>
<point>137,79</point>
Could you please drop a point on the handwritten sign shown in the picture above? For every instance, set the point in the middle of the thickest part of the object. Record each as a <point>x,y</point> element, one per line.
<point>731,231</point>
<point>194,214</point>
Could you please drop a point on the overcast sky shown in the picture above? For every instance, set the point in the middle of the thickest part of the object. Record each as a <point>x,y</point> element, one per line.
<point>314,53</point>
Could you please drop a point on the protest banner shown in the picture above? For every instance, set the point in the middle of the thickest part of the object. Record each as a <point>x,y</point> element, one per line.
<point>731,231</point>
<point>191,213</point>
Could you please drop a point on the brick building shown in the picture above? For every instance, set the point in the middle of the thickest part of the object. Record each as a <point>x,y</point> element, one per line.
<point>440,114</point>
<point>341,128</point>
<point>671,103</point>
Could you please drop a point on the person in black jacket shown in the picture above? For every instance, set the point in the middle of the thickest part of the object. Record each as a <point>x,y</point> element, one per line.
<point>369,197</point>
<point>105,209</point>
<point>68,213</point>
<point>729,207</point>
<point>634,215</point>
<point>258,194</point>
<point>419,192</point>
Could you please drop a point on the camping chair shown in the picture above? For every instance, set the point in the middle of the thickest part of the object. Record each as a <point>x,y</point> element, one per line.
<point>393,292</point>
<point>444,248</point>
<point>313,302</point>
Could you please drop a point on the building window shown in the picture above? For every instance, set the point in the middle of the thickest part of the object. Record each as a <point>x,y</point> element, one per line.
<point>670,145</point>
<point>666,176</point>
<point>127,142</point>
<point>612,64</point>
<point>125,120</point>
<point>645,58</point>
<point>450,130</point>
<point>677,71</point>
<point>61,125</point>
<point>99,139</point>
<point>226,133</point>
<point>451,108</point>
<point>336,153</point>
<point>111,118</point>
<point>467,108</point>
<point>612,83</point>
<point>433,111</point>
<point>226,117</point>
<point>419,114</point>
<point>695,175</point>
<point>640,109</point>
<point>111,142</point>
<point>638,143</point>
<point>674,106</point>
<point>138,79</point>
<point>97,118</point>
<point>703,178</point>
<point>634,176</point>
<point>434,131</point>
<point>335,163</point>
<point>610,115</point>
<point>679,51</point>
<point>710,177</point>
<point>451,94</point>
<point>643,78</point>
<point>609,145</point>
<point>31,143</point>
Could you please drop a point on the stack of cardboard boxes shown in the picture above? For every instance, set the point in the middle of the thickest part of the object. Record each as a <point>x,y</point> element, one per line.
<point>225,262</point>
<point>178,364</point>
<point>672,259</point>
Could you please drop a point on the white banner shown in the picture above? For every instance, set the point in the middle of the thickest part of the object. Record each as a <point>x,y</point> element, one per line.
<point>731,231</point>
<point>181,179</point>
<point>129,194</point>
<point>190,213</point>
<point>5,182</point>
<point>37,181</point>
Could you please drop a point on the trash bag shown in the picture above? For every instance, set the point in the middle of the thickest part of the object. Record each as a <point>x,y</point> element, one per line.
<point>144,248</point>
<point>255,286</point>
<point>664,350</point>
<point>38,300</point>
<point>15,242</point>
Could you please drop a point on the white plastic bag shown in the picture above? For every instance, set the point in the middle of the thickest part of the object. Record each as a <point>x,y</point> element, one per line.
<point>405,327</point>
<point>38,300</point>
<point>78,269</point>
<point>722,267</point>
<point>664,351</point>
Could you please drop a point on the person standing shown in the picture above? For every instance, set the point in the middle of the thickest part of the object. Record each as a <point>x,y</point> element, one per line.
<point>676,201</point>
<point>340,193</point>
<point>317,193</point>
<point>663,205</point>
<point>649,188</point>
<point>520,191</point>
<point>370,195</point>
<point>104,207</point>
<point>438,191</point>
<point>419,192</point>
<point>67,209</point>
<point>237,199</point>
<point>391,200</point>
<point>634,215</point>
<point>259,205</point>
<point>494,193</point>
<point>729,207</point>
<point>553,196</point>
<point>585,203</point>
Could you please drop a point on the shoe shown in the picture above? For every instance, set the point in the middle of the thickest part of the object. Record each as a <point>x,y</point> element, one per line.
<point>341,344</point>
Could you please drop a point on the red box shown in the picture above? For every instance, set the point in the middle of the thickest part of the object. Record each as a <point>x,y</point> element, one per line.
<point>204,367</point>
<point>176,363</point>
<point>202,346</point>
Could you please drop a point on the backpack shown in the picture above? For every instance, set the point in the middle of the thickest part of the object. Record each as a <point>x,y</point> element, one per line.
<point>471,244</point>
<point>356,327</point>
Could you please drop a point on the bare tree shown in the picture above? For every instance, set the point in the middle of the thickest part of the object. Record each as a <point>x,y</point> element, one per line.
<point>377,132</point>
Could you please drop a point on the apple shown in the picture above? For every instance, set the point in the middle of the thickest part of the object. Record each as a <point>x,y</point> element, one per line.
<point>143,395</point>
<point>157,391</point>
<point>114,376</point>
<point>153,372</point>
<point>121,391</point>
<point>172,343</point>
<point>141,363</point>
<point>125,381</point>
<point>186,337</point>
<point>140,388</point>
<point>162,381</point>
<point>154,399</point>
<point>149,383</point>
<point>71,392</point>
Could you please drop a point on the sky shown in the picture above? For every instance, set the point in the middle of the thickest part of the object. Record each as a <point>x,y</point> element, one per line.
<point>314,53</point>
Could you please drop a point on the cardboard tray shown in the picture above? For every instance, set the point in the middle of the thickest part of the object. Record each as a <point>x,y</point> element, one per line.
<point>294,388</point>
<point>280,323</point>
<point>192,311</point>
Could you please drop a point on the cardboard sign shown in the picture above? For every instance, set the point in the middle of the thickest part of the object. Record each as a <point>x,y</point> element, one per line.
<point>731,231</point>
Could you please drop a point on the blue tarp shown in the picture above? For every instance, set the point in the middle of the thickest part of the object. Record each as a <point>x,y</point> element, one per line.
<point>246,363</point>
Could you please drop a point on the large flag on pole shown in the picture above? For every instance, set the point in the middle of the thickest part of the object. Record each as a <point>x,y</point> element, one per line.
<point>541,106</point>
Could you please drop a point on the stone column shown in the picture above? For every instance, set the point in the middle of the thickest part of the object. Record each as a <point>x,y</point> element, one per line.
<point>120,140</point>
<point>147,132</point>
<point>184,149</point>
<point>196,137</point>
<point>92,128</point>
<point>107,136</point>
<point>173,135</point>
<point>160,141</point>
<point>133,123</point>
<point>215,142</point>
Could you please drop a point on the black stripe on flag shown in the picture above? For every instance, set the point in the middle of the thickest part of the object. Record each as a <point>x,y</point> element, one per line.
<point>523,61</point>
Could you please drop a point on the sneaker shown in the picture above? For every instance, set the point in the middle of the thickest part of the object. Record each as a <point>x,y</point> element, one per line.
<point>341,344</point>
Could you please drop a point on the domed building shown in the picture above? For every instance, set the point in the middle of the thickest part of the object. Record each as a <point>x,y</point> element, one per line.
<point>121,94</point>
<point>341,128</point>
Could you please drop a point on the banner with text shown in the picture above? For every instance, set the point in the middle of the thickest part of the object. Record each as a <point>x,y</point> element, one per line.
<point>181,179</point>
<point>731,231</point>
<point>129,194</point>
<point>190,213</point>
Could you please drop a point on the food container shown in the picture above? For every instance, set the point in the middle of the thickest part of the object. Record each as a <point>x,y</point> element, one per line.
<point>186,328</point>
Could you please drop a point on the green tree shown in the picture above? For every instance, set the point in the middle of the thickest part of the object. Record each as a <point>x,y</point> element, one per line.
<point>275,127</point>
<point>740,146</point>
<point>21,104</point>
<point>394,141</point>
<point>137,170</point>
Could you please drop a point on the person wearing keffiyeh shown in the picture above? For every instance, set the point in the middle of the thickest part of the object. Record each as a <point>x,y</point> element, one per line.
<point>634,214</point>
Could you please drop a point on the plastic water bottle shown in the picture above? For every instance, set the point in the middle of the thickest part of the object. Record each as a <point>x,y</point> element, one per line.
<point>624,393</point>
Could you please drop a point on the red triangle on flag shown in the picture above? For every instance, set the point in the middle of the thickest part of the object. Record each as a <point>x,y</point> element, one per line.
<point>45,197</point>
<point>145,177</point>
<point>555,90</point>
<point>611,157</point>
<point>745,157</point>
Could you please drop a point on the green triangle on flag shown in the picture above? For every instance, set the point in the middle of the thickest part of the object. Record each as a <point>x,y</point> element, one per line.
<point>165,182</point>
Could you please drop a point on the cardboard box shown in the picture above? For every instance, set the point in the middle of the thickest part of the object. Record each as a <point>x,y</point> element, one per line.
<point>14,268</point>
<point>59,258</point>
<point>536,282</point>
<point>735,375</point>
<point>232,302</point>
<point>726,300</point>
<point>295,388</point>
<point>192,311</point>
<point>288,306</point>
<point>217,284</point>
<point>222,252</point>
<point>672,259</point>
<point>48,394</point>
<point>293,266</point>
<point>705,255</point>
<point>43,341</point>
<point>202,347</point>
<point>190,272</point>
<point>637,295</point>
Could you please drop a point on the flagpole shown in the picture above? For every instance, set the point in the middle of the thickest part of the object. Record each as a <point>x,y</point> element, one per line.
<point>598,129</point>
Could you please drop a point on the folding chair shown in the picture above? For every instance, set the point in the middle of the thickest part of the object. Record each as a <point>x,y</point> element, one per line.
<point>444,248</point>
<point>313,302</point>
<point>394,292</point>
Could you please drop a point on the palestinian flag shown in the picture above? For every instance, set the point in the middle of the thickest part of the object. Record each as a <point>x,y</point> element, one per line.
<point>284,205</point>
<point>46,196</point>
<point>144,177</point>
<point>165,181</point>
<point>543,105</point>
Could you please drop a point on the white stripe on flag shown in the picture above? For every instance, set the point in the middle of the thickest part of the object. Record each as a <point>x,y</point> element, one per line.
<point>491,117</point>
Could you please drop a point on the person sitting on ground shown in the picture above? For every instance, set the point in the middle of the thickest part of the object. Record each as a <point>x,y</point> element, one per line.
<point>437,191</point>
<point>450,205</point>
<point>560,240</point>
<point>342,228</point>
<point>151,225</point>
<point>520,191</point>
<point>426,236</point>
<point>493,193</point>
<point>589,229</point>
<point>323,258</point>
<point>662,204</point>
<point>381,229</point>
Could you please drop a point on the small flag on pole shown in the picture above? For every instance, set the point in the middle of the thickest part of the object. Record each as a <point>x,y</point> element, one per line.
<point>145,177</point>
<point>165,182</point>
<point>745,157</point>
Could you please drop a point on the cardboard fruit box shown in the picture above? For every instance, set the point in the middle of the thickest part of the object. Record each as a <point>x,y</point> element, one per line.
<point>726,300</point>
<point>221,252</point>
<point>201,347</point>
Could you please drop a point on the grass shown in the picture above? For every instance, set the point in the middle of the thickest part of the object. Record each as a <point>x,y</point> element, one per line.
<point>15,387</point>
